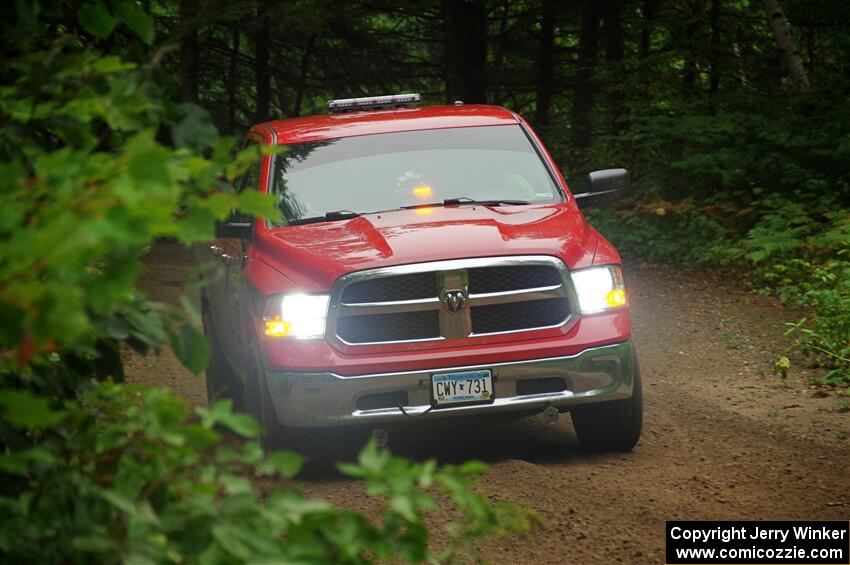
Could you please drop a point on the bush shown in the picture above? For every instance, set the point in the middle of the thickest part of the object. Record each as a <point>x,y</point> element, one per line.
<point>736,183</point>
<point>95,164</point>
<point>658,230</point>
<point>127,474</point>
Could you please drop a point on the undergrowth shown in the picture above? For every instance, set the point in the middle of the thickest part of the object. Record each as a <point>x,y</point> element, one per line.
<point>800,256</point>
<point>763,191</point>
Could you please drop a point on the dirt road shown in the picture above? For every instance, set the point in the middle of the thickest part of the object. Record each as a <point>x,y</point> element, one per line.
<point>724,438</point>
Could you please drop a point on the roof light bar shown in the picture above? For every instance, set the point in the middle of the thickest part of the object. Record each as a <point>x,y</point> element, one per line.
<point>348,104</point>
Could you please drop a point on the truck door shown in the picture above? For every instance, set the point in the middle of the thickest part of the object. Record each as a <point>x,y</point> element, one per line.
<point>230,282</point>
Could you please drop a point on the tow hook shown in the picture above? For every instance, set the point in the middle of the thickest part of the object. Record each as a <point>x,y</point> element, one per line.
<point>551,415</point>
<point>381,437</point>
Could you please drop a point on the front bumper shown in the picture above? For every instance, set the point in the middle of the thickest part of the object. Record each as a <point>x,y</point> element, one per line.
<point>323,399</point>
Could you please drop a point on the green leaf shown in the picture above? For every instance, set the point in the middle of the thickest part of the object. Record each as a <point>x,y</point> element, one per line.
<point>196,130</point>
<point>221,413</point>
<point>372,458</point>
<point>19,462</point>
<point>284,463</point>
<point>95,543</point>
<point>258,204</point>
<point>351,470</point>
<point>190,310</point>
<point>191,348</point>
<point>234,484</point>
<point>232,540</point>
<point>23,409</point>
<point>119,501</point>
<point>11,332</point>
<point>242,424</point>
<point>221,203</point>
<point>201,437</point>
<point>150,166</point>
<point>473,468</point>
<point>403,505</point>
<point>95,18</point>
<point>197,224</point>
<point>112,64</point>
<point>135,18</point>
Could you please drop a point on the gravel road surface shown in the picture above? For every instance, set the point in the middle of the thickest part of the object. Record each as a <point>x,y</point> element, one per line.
<point>724,438</point>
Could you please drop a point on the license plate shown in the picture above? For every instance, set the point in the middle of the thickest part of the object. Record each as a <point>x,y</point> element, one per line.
<point>465,387</point>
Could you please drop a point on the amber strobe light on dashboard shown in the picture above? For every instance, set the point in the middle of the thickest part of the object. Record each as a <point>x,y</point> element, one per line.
<point>423,191</point>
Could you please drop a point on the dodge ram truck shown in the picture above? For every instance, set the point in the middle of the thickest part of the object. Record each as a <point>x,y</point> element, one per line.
<point>427,262</point>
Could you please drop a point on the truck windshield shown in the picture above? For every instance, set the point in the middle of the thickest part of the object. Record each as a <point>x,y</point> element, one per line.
<point>371,173</point>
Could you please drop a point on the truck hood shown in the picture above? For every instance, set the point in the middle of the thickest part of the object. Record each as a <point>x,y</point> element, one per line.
<point>313,256</point>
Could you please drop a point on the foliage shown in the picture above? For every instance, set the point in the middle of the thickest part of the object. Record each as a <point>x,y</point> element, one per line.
<point>96,162</point>
<point>659,230</point>
<point>733,168</point>
<point>825,335</point>
<point>129,475</point>
<point>780,212</point>
<point>95,165</point>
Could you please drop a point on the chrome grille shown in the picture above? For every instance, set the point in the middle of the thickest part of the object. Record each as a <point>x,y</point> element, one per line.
<point>403,326</point>
<point>516,316</point>
<point>502,279</point>
<point>401,287</point>
<point>488,296</point>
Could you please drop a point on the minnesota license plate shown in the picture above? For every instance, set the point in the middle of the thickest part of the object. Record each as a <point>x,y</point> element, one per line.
<point>465,387</point>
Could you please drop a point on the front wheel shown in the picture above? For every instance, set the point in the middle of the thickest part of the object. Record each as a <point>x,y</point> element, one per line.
<point>222,381</point>
<point>258,403</point>
<point>274,435</point>
<point>611,426</point>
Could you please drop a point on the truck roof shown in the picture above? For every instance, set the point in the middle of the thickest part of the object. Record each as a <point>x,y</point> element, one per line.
<point>349,124</point>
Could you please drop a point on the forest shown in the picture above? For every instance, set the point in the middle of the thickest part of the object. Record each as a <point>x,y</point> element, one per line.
<point>121,122</point>
<point>733,117</point>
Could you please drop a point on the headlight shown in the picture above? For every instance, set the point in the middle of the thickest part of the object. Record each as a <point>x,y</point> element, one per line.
<point>599,288</point>
<point>296,315</point>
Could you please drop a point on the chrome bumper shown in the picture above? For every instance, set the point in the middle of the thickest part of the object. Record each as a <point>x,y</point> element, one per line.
<point>327,399</point>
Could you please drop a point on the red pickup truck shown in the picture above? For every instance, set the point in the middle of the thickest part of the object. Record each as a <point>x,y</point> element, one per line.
<point>428,262</point>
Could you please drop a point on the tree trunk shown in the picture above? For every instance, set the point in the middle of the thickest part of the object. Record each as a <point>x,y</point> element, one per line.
<point>615,52</point>
<point>811,39</point>
<point>302,77</point>
<point>233,79</point>
<point>545,70</point>
<point>612,17</point>
<point>499,57</point>
<point>714,55</point>
<point>791,60</point>
<point>689,72</point>
<point>189,64</point>
<point>583,97</point>
<point>261,56</point>
<point>650,8</point>
<point>466,50</point>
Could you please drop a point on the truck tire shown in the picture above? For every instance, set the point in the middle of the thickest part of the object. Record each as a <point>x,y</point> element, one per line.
<point>611,426</point>
<point>258,403</point>
<point>274,435</point>
<point>221,379</point>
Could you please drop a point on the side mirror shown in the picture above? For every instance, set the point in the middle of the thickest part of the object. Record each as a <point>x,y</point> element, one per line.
<point>236,230</point>
<point>606,186</point>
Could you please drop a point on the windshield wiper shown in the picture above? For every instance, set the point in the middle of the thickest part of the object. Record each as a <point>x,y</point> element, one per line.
<point>465,200</point>
<point>327,217</point>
